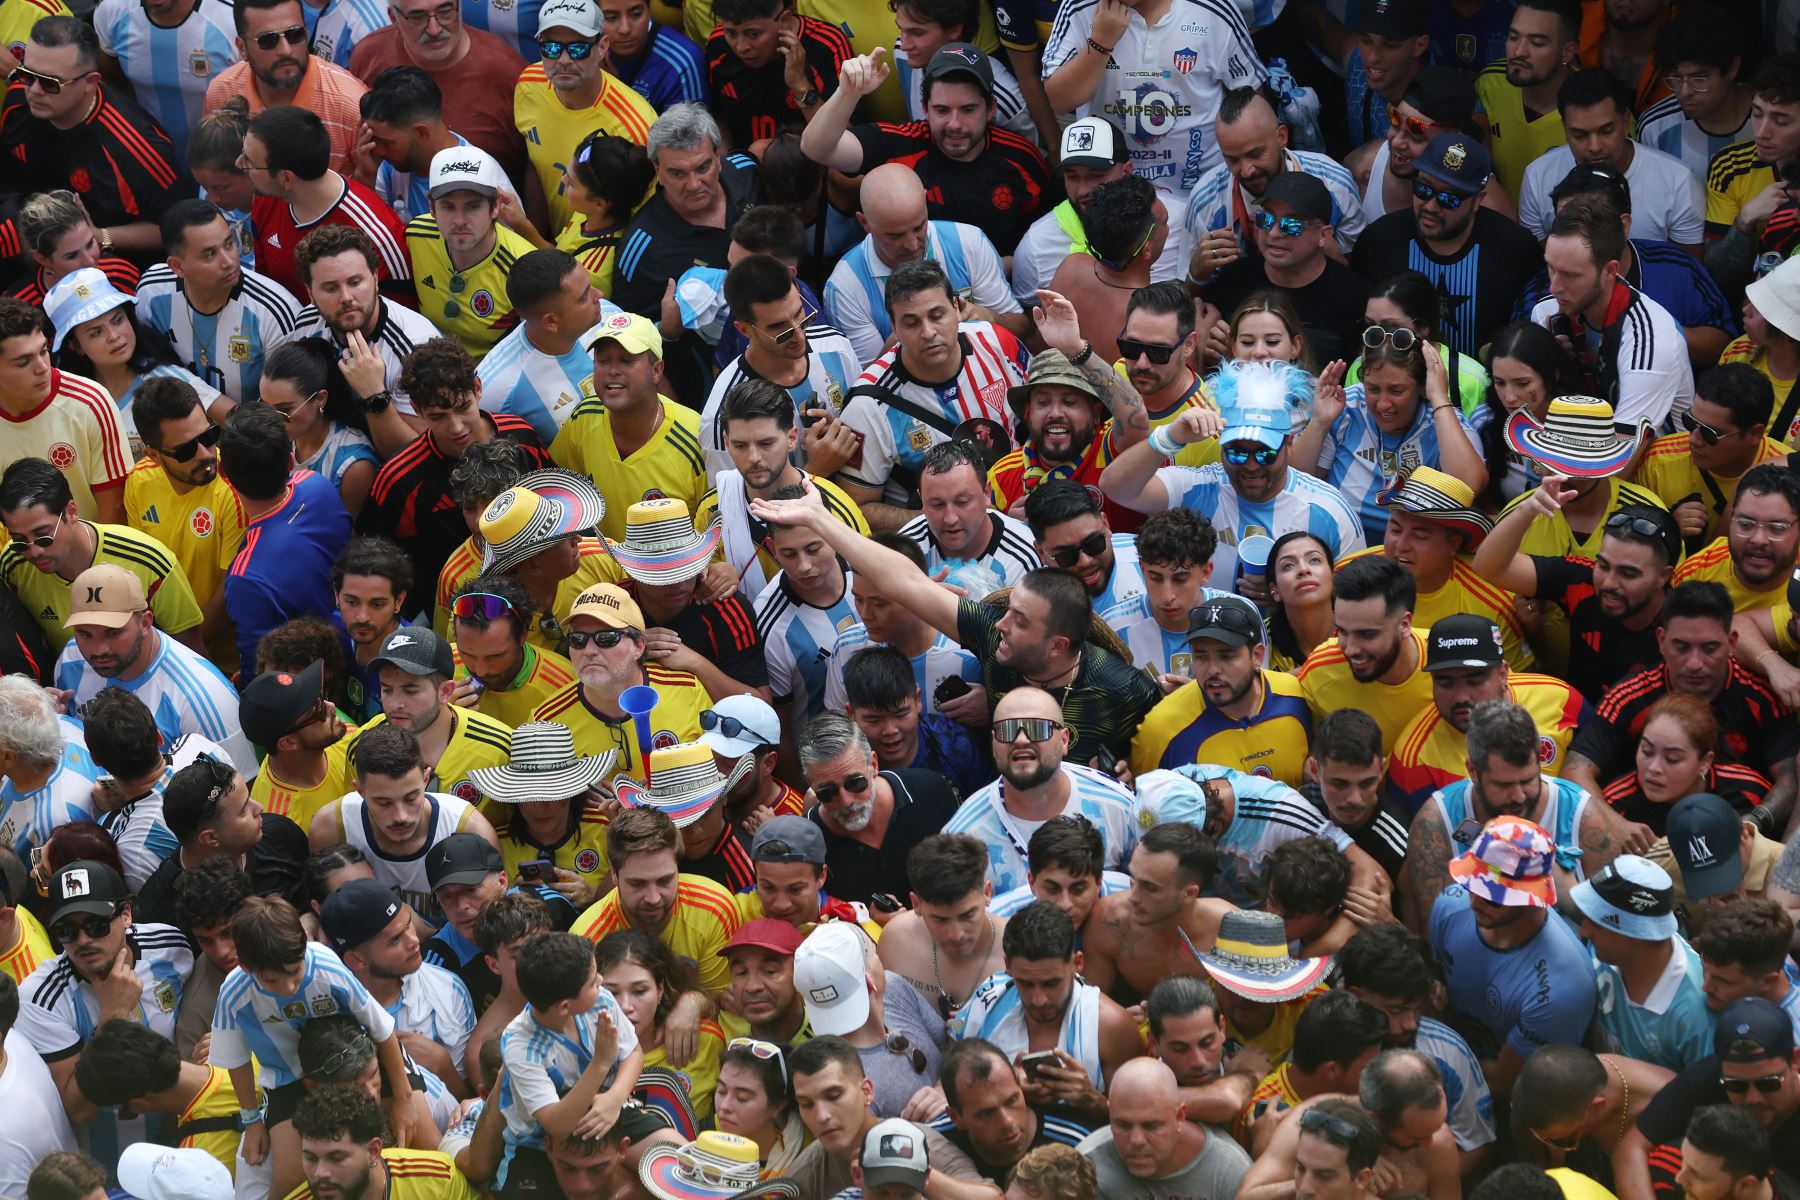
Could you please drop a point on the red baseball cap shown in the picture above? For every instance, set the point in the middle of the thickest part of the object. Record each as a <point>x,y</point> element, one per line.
<point>767,933</point>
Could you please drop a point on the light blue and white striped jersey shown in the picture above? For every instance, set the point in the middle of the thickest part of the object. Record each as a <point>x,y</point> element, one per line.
<point>245,229</point>
<point>1009,102</point>
<point>1359,460</point>
<point>1267,813</point>
<point>518,378</point>
<point>182,690</point>
<point>1466,1094</point>
<point>1304,502</point>
<point>512,21</point>
<point>1671,1028</point>
<point>340,25</point>
<point>995,1013</point>
<point>343,448</point>
<point>832,366</point>
<point>407,194</point>
<point>1156,649</point>
<point>1563,810</point>
<point>169,69</point>
<point>225,348</point>
<point>436,1004</point>
<point>138,828</point>
<point>942,659</point>
<point>1123,599</point>
<point>1006,904</point>
<point>251,1020</point>
<point>855,295</point>
<point>1100,798</point>
<point>1665,127</point>
<point>798,639</point>
<point>208,394</point>
<point>543,1064</point>
<point>1218,201</point>
<point>58,1009</point>
<point>26,818</point>
<point>1011,550</point>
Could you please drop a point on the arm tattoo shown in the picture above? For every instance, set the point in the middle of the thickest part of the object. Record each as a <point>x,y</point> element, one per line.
<point>1785,874</point>
<point>1599,842</point>
<point>1120,398</point>
<point>1428,853</point>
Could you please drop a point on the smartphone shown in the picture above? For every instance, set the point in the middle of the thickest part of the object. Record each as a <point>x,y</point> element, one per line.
<point>1466,833</point>
<point>1109,762</point>
<point>538,870</point>
<point>811,416</point>
<point>1035,1061</point>
<point>949,688</point>
<point>884,902</point>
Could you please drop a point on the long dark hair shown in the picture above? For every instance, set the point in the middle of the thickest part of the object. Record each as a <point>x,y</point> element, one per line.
<point>1538,349</point>
<point>1281,631</point>
<point>652,954</point>
<point>153,349</point>
<point>311,364</point>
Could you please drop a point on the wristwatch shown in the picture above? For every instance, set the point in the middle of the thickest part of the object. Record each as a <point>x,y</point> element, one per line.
<point>248,1117</point>
<point>378,403</point>
<point>806,99</point>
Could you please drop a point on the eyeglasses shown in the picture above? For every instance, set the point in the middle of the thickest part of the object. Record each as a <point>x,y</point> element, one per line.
<point>349,1057</point>
<point>51,85</point>
<point>1708,434</point>
<point>763,1050</point>
<point>1414,128</point>
<point>1768,1085</point>
<point>293,35</point>
<point>1335,1128</point>
<point>1697,84</point>
<point>856,785</point>
<point>1449,200</point>
<point>605,639</point>
<point>485,606</point>
<point>43,541</point>
<point>1400,338</point>
<point>1567,1145</point>
<point>1749,525</point>
<point>795,324</point>
<point>1036,729</point>
<point>553,49</point>
<point>896,1043</point>
<point>730,727</point>
<point>1130,349</point>
<point>443,14</point>
<point>94,927</point>
<point>185,451</point>
<point>1093,546</point>
<point>1290,226</point>
<point>288,414</point>
<point>1264,456</point>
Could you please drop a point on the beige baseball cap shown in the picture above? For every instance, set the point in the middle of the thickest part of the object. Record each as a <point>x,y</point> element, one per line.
<point>608,605</point>
<point>105,595</point>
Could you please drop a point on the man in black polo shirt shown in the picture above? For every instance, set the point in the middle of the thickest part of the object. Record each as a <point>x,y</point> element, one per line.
<point>973,171</point>
<point>1614,600</point>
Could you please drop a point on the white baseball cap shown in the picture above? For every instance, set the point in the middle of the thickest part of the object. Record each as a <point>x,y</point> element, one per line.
<point>583,16</point>
<point>152,1172</point>
<point>756,725</point>
<point>465,168</point>
<point>831,975</point>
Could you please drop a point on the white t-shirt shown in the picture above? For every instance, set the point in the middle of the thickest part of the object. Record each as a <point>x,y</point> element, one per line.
<point>35,1123</point>
<point>436,1004</point>
<point>1667,203</point>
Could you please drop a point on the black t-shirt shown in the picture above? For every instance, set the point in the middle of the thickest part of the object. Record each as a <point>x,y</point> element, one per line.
<point>274,866</point>
<point>727,863</point>
<point>1476,287</point>
<point>1739,786</point>
<point>1601,650</point>
<point>724,633</point>
<point>753,102</point>
<point>923,802</point>
<point>1755,728</point>
<point>23,650</point>
<point>1000,192</point>
<point>447,952</point>
<point>1330,307</point>
<point>1383,837</point>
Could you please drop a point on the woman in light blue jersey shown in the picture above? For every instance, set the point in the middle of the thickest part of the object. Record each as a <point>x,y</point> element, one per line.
<point>1529,369</point>
<point>302,383</point>
<point>1408,300</point>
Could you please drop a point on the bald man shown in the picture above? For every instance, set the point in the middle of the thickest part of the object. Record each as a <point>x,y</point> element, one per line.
<point>1150,1151</point>
<point>894,214</point>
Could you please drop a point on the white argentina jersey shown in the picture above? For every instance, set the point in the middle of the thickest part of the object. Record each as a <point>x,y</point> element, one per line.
<point>250,1020</point>
<point>406,874</point>
<point>543,1064</point>
<point>1107,806</point>
<point>1361,461</point>
<point>1011,552</point>
<point>26,818</point>
<point>340,26</point>
<point>940,661</point>
<point>798,639</point>
<point>856,294</point>
<point>1466,1092</point>
<point>512,21</point>
<point>994,1012</point>
<point>832,366</point>
<point>224,348</point>
<point>436,1004</point>
<point>518,378</point>
<point>169,69</point>
<point>59,1011</point>
<point>138,828</point>
<point>1303,503</point>
<point>1268,814</point>
<point>1123,599</point>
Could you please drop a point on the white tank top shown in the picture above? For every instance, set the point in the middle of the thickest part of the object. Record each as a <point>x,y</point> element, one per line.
<point>407,874</point>
<point>1374,206</point>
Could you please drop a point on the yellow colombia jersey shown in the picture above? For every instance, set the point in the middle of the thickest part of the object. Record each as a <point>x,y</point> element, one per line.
<point>836,501</point>
<point>1555,539</point>
<point>209,1122</point>
<point>476,740</point>
<point>553,131</point>
<point>32,948</point>
<point>1432,754</point>
<point>1183,729</point>
<point>46,594</point>
<point>202,527</point>
<point>1277,1041</point>
<point>543,673</point>
<point>750,908</point>
<point>701,1074</point>
<point>1742,349</point>
<point>1714,563</point>
<point>476,313</point>
<point>1275,1094</point>
<point>415,1175</point>
<point>1327,684</point>
<point>669,465</point>
<point>596,566</point>
<point>680,699</point>
<point>1733,179</point>
<point>735,1026</point>
<point>704,920</point>
<point>18,16</point>
<point>1669,471</point>
<point>597,252</point>
<point>583,851</point>
<point>299,804</point>
<point>1513,138</point>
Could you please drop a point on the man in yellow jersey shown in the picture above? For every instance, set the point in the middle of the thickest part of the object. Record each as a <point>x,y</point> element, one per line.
<point>50,545</point>
<point>291,719</point>
<point>21,934</point>
<point>550,814</point>
<point>461,253</point>
<point>788,856</point>
<point>566,96</point>
<point>692,915</point>
<point>176,495</point>
<point>1518,93</point>
<point>340,1128</point>
<point>417,669</point>
<point>126,1065</point>
<point>1695,473</point>
<point>606,646</point>
<point>767,1006</point>
<point>1743,181</point>
<point>1463,657</point>
<point>1233,711</point>
<point>627,439</point>
<point>541,530</point>
<point>1335,1038</point>
<point>498,672</point>
<point>1755,558</point>
<point>1374,662</point>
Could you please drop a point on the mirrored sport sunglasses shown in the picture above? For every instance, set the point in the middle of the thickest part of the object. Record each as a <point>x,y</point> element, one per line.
<point>1290,226</point>
<point>1447,200</point>
<point>1036,729</point>
<point>550,48</point>
<point>1263,456</point>
<point>481,606</point>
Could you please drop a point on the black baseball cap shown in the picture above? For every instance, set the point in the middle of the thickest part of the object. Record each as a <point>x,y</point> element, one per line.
<point>1703,839</point>
<point>276,701</point>
<point>1463,641</point>
<point>1751,1030</point>
<point>1231,620</point>
<point>417,650</point>
<point>462,858</point>
<point>1443,96</point>
<point>1393,18</point>
<point>1306,194</point>
<point>86,888</point>
<point>961,59</point>
<point>357,912</point>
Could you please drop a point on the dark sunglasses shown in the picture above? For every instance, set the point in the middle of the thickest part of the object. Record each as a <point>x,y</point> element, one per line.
<point>805,317</point>
<point>1708,434</point>
<point>1264,456</point>
<point>1290,226</point>
<point>185,451</point>
<point>318,713</point>
<point>481,606</point>
<point>553,49</point>
<point>95,927</point>
<point>1130,349</point>
<point>605,639</point>
<point>1449,200</point>
<point>51,84</point>
<point>1642,526</point>
<point>1401,338</point>
<point>1093,545</point>
<point>1335,1128</point>
<point>856,785</point>
<point>730,727</point>
<point>293,35</point>
<point>1768,1085</point>
<point>1567,1145</point>
<point>1223,616</point>
<point>1036,729</point>
<point>896,1043</point>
